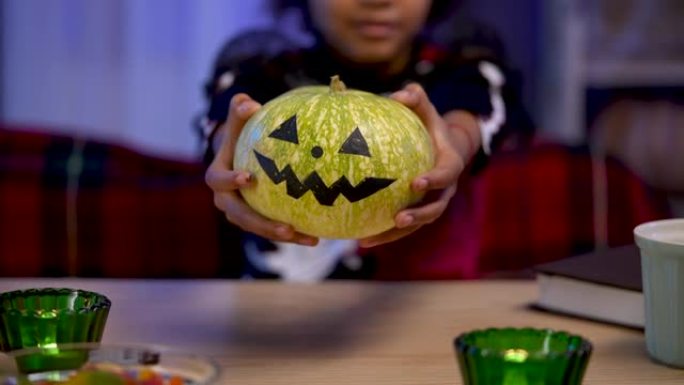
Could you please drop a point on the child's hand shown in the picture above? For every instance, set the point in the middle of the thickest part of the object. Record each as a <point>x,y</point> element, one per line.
<point>454,146</point>
<point>225,182</point>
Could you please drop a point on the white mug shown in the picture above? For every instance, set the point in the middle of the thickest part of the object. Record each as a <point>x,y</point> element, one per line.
<point>662,269</point>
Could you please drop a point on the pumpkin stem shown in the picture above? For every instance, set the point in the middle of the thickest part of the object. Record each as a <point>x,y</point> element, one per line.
<point>336,85</point>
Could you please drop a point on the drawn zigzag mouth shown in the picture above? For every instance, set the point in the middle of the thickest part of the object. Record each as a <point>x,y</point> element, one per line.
<point>324,195</point>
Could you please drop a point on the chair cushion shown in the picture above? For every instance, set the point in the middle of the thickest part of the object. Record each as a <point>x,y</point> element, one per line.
<point>87,208</point>
<point>524,208</point>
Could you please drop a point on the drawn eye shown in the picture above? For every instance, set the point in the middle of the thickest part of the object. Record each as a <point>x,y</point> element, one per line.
<point>287,131</point>
<point>355,144</point>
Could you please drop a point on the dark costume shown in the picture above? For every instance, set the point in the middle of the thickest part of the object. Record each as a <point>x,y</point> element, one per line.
<point>479,83</point>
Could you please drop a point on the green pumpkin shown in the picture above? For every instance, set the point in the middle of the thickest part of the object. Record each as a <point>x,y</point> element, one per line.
<point>333,162</point>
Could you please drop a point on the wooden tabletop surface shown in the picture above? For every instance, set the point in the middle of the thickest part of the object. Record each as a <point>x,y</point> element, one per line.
<point>344,332</point>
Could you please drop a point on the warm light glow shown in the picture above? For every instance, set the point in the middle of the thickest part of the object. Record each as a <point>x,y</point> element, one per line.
<point>515,355</point>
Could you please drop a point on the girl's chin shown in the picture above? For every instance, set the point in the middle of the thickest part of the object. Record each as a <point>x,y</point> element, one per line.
<point>375,55</point>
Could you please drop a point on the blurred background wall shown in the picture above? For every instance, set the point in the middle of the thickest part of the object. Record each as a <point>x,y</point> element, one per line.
<point>129,71</point>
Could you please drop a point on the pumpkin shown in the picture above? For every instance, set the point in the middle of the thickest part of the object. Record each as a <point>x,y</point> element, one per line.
<point>333,162</point>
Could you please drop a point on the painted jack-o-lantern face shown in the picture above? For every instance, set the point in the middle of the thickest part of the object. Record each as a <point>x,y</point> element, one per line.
<point>355,144</point>
<point>334,164</point>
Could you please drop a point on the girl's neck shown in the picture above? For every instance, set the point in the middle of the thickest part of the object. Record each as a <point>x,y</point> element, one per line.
<point>381,70</point>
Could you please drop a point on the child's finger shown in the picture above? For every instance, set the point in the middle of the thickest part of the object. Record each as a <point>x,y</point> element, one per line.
<point>427,213</point>
<point>239,213</point>
<point>435,179</point>
<point>224,180</point>
<point>414,97</point>
<point>448,166</point>
<point>242,107</point>
<point>387,236</point>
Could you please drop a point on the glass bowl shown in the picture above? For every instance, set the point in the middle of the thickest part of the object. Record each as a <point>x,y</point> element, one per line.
<point>110,364</point>
<point>44,317</point>
<point>522,356</point>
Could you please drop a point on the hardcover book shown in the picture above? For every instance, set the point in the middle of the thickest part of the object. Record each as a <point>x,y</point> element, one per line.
<point>603,286</point>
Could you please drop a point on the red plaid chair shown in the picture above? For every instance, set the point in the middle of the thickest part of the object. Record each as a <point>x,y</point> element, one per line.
<point>129,215</point>
<point>525,208</point>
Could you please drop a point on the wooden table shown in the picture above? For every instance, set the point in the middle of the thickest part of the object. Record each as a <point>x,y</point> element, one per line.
<point>344,332</point>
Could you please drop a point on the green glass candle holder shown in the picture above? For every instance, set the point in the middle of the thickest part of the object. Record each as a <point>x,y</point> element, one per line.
<point>46,317</point>
<point>522,356</point>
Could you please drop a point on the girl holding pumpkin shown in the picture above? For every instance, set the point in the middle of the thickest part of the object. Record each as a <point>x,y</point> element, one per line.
<point>376,46</point>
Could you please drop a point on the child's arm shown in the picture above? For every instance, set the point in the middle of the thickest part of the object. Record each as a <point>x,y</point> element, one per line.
<point>456,138</point>
<point>225,182</point>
